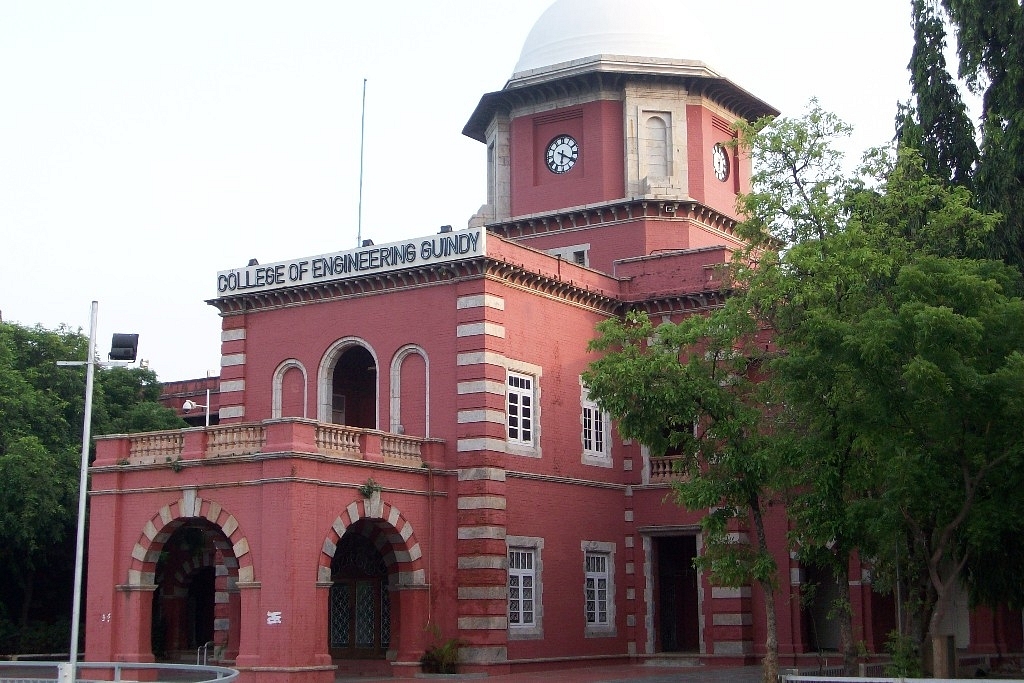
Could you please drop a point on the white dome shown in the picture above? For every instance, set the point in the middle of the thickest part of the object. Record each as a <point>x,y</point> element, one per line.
<point>575,29</point>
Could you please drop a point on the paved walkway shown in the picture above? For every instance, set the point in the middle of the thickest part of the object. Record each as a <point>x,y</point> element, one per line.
<point>608,674</point>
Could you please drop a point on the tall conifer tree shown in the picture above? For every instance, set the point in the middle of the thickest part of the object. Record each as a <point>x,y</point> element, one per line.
<point>990,46</point>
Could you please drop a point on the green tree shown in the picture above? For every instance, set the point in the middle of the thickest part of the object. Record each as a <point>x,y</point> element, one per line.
<point>714,372</point>
<point>41,409</point>
<point>939,125</point>
<point>884,404</point>
<point>990,45</point>
<point>38,505</point>
<point>890,423</point>
<point>690,388</point>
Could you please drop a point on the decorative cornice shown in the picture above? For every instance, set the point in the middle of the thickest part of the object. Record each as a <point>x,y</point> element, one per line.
<point>605,302</point>
<point>616,212</point>
<point>604,77</point>
<point>408,278</point>
<point>520,277</point>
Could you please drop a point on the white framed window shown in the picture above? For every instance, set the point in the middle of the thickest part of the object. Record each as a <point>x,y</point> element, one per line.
<point>525,613</point>
<point>519,409</point>
<point>521,585</point>
<point>595,433</point>
<point>599,588</point>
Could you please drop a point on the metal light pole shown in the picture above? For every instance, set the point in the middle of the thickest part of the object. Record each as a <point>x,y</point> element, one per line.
<point>67,671</point>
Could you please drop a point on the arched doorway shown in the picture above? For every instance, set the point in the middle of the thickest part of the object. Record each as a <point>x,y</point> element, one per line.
<point>354,389</point>
<point>359,607</point>
<point>187,614</point>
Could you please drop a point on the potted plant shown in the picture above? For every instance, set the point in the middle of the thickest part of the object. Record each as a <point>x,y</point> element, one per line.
<point>443,656</point>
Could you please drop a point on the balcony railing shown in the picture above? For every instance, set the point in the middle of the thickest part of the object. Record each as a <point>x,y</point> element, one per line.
<point>339,441</point>
<point>664,469</point>
<point>243,439</point>
<point>154,447</point>
<point>271,436</point>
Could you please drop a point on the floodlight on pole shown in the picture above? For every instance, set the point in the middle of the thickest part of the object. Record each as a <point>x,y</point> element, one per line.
<point>66,672</point>
<point>189,405</point>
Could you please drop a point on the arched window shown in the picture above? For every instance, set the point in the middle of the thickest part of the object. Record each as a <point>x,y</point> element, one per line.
<point>347,385</point>
<point>410,391</point>
<point>289,390</point>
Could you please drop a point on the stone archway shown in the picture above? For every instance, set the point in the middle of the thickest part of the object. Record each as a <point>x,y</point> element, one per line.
<point>379,527</point>
<point>359,606</point>
<point>192,554</point>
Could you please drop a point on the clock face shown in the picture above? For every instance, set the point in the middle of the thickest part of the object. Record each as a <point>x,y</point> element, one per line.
<point>720,160</point>
<point>562,154</point>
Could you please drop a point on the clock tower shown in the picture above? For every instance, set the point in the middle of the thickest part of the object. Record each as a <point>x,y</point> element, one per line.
<point>613,139</point>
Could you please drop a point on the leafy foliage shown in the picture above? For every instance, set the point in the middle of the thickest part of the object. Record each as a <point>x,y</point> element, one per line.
<point>442,656</point>
<point>939,126</point>
<point>41,408</point>
<point>866,369</point>
<point>990,45</point>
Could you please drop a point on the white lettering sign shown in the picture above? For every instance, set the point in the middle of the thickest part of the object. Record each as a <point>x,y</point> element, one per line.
<point>273,617</point>
<point>369,260</point>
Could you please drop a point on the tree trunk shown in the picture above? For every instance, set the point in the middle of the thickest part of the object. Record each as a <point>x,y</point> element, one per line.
<point>843,611</point>
<point>943,657</point>
<point>941,645</point>
<point>771,642</point>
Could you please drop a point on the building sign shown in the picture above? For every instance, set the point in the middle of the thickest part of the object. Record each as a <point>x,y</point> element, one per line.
<point>369,260</point>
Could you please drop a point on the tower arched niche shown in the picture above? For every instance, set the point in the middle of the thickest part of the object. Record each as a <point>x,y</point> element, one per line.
<point>657,148</point>
<point>347,384</point>
<point>412,394</point>
<point>284,401</point>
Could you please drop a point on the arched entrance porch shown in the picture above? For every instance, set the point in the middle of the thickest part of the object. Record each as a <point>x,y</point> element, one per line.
<point>192,603</point>
<point>183,581</point>
<point>359,609</point>
<point>376,593</point>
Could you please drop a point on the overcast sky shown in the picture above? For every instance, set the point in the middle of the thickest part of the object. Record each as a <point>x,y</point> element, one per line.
<point>145,146</point>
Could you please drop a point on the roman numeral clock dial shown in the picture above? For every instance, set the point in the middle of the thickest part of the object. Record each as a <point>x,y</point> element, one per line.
<point>562,154</point>
<point>720,162</point>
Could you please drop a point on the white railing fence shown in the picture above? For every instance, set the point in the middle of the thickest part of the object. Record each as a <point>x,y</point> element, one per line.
<point>47,672</point>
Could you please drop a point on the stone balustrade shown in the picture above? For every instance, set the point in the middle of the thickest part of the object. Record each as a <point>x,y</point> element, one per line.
<point>339,441</point>
<point>663,469</point>
<point>295,435</point>
<point>154,447</point>
<point>235,439</point>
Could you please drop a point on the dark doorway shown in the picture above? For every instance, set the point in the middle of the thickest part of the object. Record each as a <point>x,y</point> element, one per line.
<point>821,591</point>
<point>359,610</point>
<point>678,609</point>
<point>354,389</point>
<point>185,608</point>
<point>200,607</point>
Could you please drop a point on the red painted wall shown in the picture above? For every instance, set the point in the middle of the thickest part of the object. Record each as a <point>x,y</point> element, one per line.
<point>704,130</point>
<point>598,174</point>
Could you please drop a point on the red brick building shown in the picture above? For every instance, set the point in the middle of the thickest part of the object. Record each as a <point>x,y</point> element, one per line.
<point>402,448</point>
